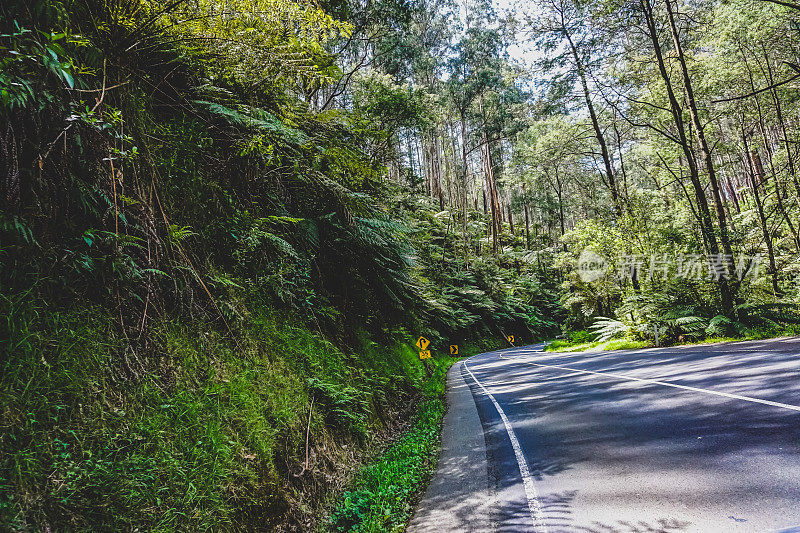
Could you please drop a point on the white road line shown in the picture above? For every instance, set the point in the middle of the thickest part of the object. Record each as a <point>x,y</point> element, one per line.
<point>664,383</point>
<point>527,480</point>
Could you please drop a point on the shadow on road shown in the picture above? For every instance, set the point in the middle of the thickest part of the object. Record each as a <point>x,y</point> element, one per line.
<point>621,444</point>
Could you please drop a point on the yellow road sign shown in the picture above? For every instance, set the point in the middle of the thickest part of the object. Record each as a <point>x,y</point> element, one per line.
<point>454,349</point>
<point>425,354</point>
<point>422,343</point>
<point>510,339</point>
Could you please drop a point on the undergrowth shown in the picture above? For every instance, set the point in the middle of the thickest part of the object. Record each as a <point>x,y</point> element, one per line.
<point>577,341</point>
<point>213,436</point>
<point>382,495</point>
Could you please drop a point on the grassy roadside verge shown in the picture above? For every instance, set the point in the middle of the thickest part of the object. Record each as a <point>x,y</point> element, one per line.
<point>596,346</point>
<point>382,494</point>
<point>567,345</point>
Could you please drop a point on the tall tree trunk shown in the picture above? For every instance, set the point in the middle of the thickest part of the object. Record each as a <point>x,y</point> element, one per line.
<point>768,148</point>
<point>598,132</point>
<point>701,139</point>
<point>464,171</point>
<point>726,180</point>
<point>557,187</point>
<point>438,153</point>
<point>494,202</point>
<point>423,155</point>
<point>625,194</point>
<point>782,124</point>
<point>703,211</point>
<point>527,228</point>
<point>527,219</point>
<point>757,171</point>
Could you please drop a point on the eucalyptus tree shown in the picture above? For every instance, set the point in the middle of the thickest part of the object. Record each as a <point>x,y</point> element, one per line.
<point>572,49</point>
<point>474,68</point>
<point>550,162</point>
<point>377,40</point>
<point>751,77</point>
<point>652,51</point>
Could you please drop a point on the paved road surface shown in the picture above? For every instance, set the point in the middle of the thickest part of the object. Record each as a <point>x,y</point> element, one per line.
<point>700,438</point>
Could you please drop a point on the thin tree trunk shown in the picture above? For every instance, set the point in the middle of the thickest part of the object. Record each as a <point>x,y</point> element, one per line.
<point>598,132</point>
<point>527,218</point>
<point>782,125</point>
<point>707,159</point>
<point>438,148</point>
<point>494,203</point>
<point>464,165</point>
<point>527,228</point>
<point>726,180</point>
<point>626,195</point>
<point>770,155</point>
<point>757,171</point>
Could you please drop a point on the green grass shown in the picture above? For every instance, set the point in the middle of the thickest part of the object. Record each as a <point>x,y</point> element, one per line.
<point>198,433</point>
<point>382,495</point>
<point>568,345</point>
<point>597,346</point>
<point>751,335</point>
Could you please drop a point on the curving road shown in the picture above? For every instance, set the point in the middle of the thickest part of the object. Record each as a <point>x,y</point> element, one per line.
<point>693,438</point>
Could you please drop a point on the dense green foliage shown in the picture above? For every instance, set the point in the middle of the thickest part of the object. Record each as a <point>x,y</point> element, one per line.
<point>221,223</point>
<point>207,281</point>
<point>214,437</point>
<point>382,497</point>
<point>667,151</point>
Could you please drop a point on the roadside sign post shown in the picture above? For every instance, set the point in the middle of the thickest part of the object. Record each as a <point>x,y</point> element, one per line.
<point>424,353</point>
<point>510,339</point>
<point>454,349</point>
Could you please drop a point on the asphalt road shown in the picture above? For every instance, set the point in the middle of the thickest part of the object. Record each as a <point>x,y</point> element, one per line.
<point>695,438</point>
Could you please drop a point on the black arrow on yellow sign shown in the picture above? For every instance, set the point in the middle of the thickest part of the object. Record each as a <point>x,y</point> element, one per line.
<point>454,349</point>
<point>422,343</point>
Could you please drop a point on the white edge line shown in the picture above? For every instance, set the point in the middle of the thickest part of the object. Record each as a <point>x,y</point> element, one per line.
<point>531,493</point>
<point>663,383</point>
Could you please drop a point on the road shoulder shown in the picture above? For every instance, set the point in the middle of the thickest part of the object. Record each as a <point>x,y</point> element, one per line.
<point>458,498</point>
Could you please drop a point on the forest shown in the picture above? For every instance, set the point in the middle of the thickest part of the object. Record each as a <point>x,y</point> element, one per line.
<point>224,223</point>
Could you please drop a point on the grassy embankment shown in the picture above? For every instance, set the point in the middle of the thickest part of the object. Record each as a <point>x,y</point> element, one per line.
<point>211,433</point>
